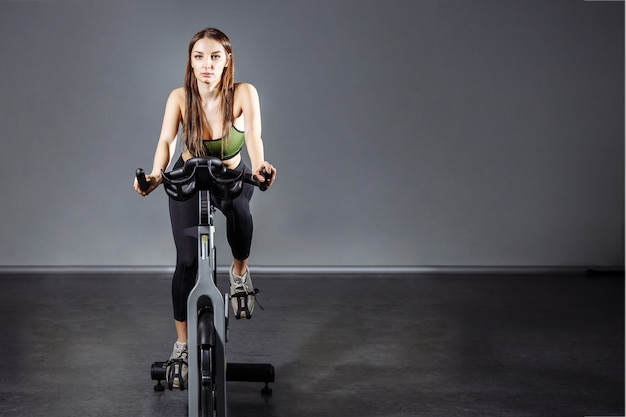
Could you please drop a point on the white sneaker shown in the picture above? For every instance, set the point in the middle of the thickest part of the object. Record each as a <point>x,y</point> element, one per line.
<point>177,369</point>
<point>242,294</point>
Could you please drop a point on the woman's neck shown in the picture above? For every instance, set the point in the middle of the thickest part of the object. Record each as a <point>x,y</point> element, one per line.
<point>208,92</point>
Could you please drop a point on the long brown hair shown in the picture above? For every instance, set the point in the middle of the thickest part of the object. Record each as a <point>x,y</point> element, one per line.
<point>194,122</point>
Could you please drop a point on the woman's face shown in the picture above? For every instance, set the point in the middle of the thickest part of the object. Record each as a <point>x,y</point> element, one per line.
<point>208,60</point>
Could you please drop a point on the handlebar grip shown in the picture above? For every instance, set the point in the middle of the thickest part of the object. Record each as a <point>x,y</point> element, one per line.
<point>264,185</point>
<point>249,178</point>
<point>141,179</point>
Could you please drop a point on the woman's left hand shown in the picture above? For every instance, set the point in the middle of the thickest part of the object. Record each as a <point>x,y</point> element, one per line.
<point>269,168</point>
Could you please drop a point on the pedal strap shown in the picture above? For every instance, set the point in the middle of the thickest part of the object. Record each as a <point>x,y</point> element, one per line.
<point>170,375</point>
<point>242,302</point>
<point>176,372</point>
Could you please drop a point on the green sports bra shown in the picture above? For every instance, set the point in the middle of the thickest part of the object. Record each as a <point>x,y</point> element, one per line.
<point>235,144</point>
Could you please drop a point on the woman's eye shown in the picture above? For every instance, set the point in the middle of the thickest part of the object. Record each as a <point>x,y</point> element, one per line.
<point>198,57</point>
<point>215,57</point>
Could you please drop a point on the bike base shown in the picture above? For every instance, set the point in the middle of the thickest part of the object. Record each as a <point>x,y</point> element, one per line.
<point>239,372</point>
<point>251,372</point>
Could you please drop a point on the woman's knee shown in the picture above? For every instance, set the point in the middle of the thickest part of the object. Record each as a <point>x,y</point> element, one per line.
<point>239,209</point>
<point>186,263</point>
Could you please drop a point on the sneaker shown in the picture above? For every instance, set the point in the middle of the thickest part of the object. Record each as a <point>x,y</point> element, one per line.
<point>242,294</point>
<point>177,368</point>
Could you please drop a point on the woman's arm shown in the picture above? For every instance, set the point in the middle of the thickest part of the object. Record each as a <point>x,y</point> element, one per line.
<point>169,129</point>
<point>249,99</point>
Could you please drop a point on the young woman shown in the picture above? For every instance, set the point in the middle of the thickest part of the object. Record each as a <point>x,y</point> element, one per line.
<point>218,117</point>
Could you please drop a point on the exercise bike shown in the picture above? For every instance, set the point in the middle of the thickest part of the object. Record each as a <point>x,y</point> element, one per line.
<point>207,307</point>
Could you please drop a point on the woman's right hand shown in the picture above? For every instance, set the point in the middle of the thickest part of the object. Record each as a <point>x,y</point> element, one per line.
<point>153,183</point>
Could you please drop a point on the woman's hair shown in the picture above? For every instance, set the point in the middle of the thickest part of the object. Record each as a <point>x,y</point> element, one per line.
<point>194,122</point>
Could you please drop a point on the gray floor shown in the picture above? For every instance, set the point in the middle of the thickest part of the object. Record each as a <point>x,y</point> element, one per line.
<point>342,346</point>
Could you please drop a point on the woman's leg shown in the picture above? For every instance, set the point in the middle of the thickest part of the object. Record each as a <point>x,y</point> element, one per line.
<point>239,229</point>
<point>239,225</point>
<point>184,219</point>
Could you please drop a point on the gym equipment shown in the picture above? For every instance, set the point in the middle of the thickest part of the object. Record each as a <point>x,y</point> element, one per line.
<point>207,307</point>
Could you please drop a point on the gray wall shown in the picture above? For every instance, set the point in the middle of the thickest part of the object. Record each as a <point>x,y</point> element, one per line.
<point>406,132</point>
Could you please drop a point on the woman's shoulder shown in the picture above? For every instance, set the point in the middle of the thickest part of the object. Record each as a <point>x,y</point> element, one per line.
<point>178,94</point>
<point>176,99</point>
<point>244,88</point>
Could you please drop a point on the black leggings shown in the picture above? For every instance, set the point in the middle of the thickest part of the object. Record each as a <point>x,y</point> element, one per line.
<point>184,218</point>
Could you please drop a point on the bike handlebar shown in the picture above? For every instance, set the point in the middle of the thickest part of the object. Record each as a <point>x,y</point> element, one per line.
<point>141,179</point>
<point>204,173</point>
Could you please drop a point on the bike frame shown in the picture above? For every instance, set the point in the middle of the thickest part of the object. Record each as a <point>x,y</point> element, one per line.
<point>206,294</point>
